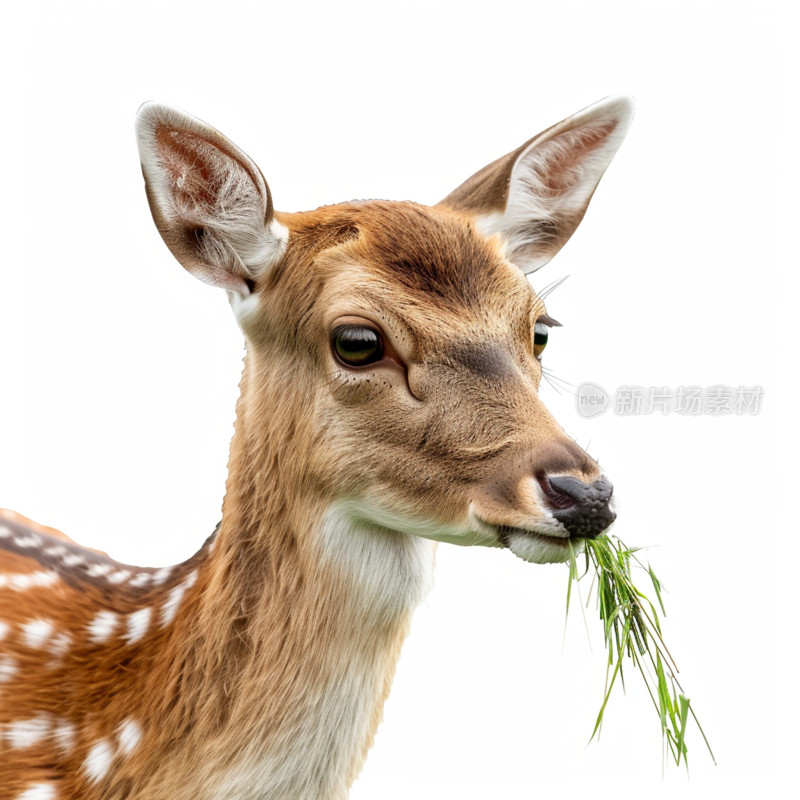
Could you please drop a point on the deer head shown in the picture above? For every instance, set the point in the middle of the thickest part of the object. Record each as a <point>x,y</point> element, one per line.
<point>394,349</point>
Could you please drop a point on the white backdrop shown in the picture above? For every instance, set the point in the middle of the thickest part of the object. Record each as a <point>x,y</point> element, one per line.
<point>119,371</point>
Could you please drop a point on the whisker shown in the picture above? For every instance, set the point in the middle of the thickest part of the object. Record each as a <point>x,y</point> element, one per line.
<point>559,384</point>
<point>552,383</point>
<point>550,374</point>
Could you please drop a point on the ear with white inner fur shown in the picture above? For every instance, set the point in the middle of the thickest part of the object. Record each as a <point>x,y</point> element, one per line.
<point>536,196</point>
<point>209,200</point>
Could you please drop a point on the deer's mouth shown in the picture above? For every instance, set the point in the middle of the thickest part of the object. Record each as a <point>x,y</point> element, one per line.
<point>506,532</point>
<point>545,542</point>
<point>538,546</point>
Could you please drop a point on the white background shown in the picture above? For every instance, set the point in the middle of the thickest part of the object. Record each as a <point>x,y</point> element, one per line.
<point>119,371</point>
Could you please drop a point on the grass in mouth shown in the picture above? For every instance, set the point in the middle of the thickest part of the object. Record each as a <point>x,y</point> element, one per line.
<point>632,628</point>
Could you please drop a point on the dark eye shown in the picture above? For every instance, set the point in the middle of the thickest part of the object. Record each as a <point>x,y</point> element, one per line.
<point>357,345</point>
<point>539,338</point>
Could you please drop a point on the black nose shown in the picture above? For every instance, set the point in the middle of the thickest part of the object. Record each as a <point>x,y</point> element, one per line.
<point>582,508</point>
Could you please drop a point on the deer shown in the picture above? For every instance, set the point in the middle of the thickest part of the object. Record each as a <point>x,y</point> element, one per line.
<point>388,403</point>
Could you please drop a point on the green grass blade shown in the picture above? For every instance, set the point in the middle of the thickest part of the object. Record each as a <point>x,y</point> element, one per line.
<point>632,628</point>
<point>657,588</point>
<point>683,701</point>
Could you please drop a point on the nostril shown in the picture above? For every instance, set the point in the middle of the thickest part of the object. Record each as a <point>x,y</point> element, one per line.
<point>556,497</point>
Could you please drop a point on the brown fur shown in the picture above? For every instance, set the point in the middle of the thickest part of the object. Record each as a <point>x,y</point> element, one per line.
<point>283,616</point>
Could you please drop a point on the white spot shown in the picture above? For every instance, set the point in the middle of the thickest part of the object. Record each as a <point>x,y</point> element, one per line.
<point>38,791</point>
<point>5,533</point>
<point>29,580</point>
<point>174,598</point>
<point>72,560</point>
<point>138,622</point>
<point>120,576</point>
<point>8,668</point>
<point>170,608</point>
<point>28,732</point>
<point>140,580</point>
<point>4,629</point>
<point>55,551</point>
<point>129,734</point>
<point>102,626</point>
<point>159,577</point>
<point>60,644</point>
<point>99,570</point>
<point>43,579</point>
<point>64,733</point>
<point>98,761</point>
<point>36,632</point>
<point>27,541</point>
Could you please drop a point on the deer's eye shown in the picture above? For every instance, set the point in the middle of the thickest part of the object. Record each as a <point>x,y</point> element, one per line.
<point>357,345</point>
<point>539,339</point>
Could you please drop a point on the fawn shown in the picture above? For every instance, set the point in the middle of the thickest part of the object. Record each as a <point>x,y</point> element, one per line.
<point>388,402</point>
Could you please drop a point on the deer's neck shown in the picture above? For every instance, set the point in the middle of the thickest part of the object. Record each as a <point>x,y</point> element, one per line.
<point>280,662</point>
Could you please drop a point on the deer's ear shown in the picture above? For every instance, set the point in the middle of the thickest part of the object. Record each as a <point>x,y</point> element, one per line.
<point>537,195</point>
<point>209,201</point>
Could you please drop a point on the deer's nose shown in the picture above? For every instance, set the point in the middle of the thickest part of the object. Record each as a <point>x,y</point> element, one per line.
<point>582,508</point>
